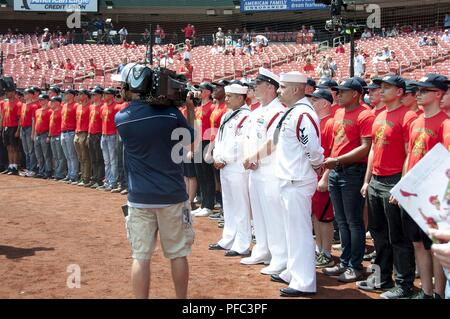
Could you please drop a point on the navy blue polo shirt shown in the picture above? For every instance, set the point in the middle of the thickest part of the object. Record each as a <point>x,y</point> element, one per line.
<point>146,131</point>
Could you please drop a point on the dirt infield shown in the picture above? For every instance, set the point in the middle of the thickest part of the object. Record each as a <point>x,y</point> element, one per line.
<point>47,226</point>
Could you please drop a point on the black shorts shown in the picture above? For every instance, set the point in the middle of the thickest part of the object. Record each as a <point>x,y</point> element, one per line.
<point>9,138</point>
<point>189,169</point>
<point>413,232</point>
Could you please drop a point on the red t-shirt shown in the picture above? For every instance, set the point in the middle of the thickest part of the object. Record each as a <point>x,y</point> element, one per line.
<point>69,66</point>
<point>349,127</point>
<point>326,135</point>
<point>42,121</point>
<point>28,113</point>
<point>108,112</point>
<point>68,117</point>
<point>82,118</point>
<point>204,113</point>
<point>424,134</point>
<point>121,106</point>
<point>446,134</point>
<point>188,32</point>
<point>340,50</point>
<point>334,108</point>
<point>55,123</point>
<point>11,113</point>
<point>187,71</point>
<point>390,134</point>
<point>216,116</point>
<point>378,111</point>
<point>95,119</point>
<point>308,67</point>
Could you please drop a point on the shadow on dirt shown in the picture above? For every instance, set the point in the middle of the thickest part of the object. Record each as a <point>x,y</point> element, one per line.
<point>15,252</point>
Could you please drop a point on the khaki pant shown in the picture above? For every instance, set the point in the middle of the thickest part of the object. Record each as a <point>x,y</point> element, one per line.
<point>82,149</point>
<point>174,224</point>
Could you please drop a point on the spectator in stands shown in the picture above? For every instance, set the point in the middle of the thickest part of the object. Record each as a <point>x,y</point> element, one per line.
<point>447,21</point>
<point>85,35</point>
<point>308,67</point>
<point>248,50</point>
<point>216,49</point>
<point>246,38</point>
<point>433,42</point>
<point>123,33</point>
<point>122,65</point>
<point>366,34</point>
<point>132,45</point>
<point>188,32</point>
<point>145,36</point>
<point>220,37</point>
<point>393,32</point>
<point>35,65</point>
<point>446,36</point>
<point>340,49</point>
<point>91,66</point>
<point>260,48</point>
<point>383,33</point>
<point>423,42</point>
<point>186,69</point>
<point>386,52</point>
<point>49,65</point>
<point>81,67</point>
<point>68,66</point>
<point>46,40</point>
<point>260,39</point>
<point>238,44</point>
<point>359,63</point>
<point>324,71</point>
<point>165,61</point>
<point>187,49</point>
<point>312,31</point>
<point>378,57</point>
<point>159,34</point>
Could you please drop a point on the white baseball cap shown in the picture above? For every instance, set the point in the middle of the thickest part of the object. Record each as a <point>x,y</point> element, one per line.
<point>293,77</point>
<point>236,89</point>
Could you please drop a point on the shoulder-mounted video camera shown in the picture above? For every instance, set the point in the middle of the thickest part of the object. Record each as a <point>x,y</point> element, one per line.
<point>159,86</point>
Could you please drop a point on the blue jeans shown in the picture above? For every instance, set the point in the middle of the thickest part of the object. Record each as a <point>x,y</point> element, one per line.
<point>344,186</point>
<point>58,156</point>
<point>43,154</point>
<point>447,289</point>
<point>70,154</point>
<point>28,148</point>
<point>110,156</point>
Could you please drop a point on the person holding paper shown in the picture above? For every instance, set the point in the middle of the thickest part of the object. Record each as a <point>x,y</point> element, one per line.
<point>442,253</point>
<point>390,132</point>
<point>425,132</point>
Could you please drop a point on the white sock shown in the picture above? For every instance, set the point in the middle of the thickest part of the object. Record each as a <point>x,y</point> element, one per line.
<point>15,166</point>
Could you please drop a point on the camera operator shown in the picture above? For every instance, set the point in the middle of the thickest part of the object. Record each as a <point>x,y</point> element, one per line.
<point>157,198</point>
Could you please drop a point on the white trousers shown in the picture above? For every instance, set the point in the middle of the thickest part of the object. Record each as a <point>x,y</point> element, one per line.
<point>236,234</point>
<point>268,222</point>
<point>301,266</point>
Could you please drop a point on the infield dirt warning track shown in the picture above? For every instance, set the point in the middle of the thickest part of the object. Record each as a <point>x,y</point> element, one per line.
<point>49,229</point>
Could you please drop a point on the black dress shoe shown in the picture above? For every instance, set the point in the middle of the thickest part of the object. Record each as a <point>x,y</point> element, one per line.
<point>216,247</point>
<point>277,278</point>
<point>232,253</point>
<point>290,292</point>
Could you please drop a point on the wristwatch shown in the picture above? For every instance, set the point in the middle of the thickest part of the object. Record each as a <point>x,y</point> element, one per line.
<point>337,162</point>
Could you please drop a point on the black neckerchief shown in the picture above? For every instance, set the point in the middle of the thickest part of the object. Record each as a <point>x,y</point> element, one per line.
<point>278,128</point>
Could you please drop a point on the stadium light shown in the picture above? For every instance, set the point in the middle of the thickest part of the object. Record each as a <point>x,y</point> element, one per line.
<point>3,4</point>
<point>109,5</point>
<point>210,12</point>
<point>228,12</point>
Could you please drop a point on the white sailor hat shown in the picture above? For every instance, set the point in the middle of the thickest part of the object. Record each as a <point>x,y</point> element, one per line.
<point>294,77</point>
<point>267,76</point>
<point>236,89</point>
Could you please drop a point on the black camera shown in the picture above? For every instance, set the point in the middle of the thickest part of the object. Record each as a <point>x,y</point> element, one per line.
<point>6,84</point>
<point>159,86</point>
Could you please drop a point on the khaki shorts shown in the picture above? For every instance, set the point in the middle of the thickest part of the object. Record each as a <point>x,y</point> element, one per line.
<point>174,224</point>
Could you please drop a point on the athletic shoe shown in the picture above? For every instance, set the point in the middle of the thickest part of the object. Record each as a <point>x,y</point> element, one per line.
<point>102,187</point>
<point>108,188</point>
<point>335,271</point>
<point>95,186</point>
<point>324,261</point>
<point>204,213</point>
<point>370,256</point>
<point>124,192</point>
<point>422,295</point>
<point>220,225</point>
<point>350,275</point>
<point>195,211</point>
<point>13,171</point>
<point>117,189</point>
<point>89,184</point>
<point>24,173</point>
<point>216,216</point>
<point>31,174</point>
<point>217,206</point>
<point>197,200</point>
<point>6,171</point>
<point>397,292</point>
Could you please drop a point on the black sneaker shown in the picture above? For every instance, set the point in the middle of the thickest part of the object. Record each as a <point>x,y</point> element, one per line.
<point>216,216</point>
<point>422,295</point>
<point>370,284</point>
<point>6,171</point>
<point>398,292</point>
<point>437,296</point>
<point>13,171</point>
<point>370,256</point>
